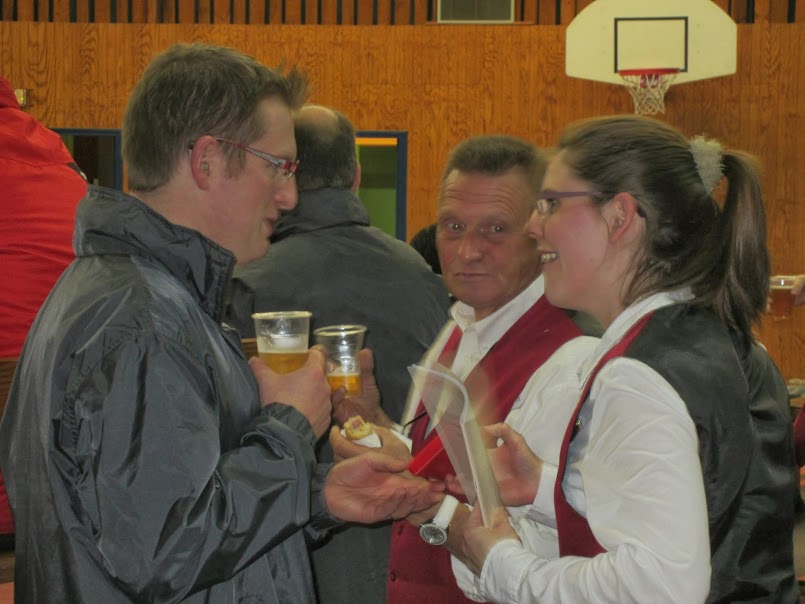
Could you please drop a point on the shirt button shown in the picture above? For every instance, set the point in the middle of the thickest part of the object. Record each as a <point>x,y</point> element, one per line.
<point>393,576</point>
<point>400,529</point>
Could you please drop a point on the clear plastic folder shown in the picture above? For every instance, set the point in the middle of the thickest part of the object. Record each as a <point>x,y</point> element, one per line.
<point>453,416</point>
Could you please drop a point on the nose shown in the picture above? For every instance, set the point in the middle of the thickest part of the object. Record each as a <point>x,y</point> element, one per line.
<point>534,225</point>
<point>471,246</point>
<point>286,194</point>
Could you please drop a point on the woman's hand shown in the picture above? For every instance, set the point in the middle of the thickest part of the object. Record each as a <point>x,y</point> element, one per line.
<point>517,469</point>
<point>478,540</point>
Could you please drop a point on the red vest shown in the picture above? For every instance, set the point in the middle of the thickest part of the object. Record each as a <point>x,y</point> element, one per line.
<point>575,536</point>
<point>422,573</point>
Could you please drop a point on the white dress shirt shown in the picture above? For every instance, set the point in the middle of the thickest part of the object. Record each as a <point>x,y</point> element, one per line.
<point>477,337</point>
<point>633,472</point>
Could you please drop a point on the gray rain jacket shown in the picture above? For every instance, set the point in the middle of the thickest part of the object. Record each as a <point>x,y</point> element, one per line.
<point>139,463</point>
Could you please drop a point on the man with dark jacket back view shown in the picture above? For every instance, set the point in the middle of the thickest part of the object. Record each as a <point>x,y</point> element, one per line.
<point>325,258</point>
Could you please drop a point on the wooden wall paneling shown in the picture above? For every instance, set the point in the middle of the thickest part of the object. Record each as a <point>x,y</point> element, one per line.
<point>102,11</point>
<point>7,10</point>
<point>82,11</point>
<point>139,11</point>
<point>739,10</point>
<point>122,11</point>
<point>582,4</point>
<point>365,12</point>
<point>546,12</point>
<point>402,12</point>
<point>239,12</point>
<point>61,10</point>
<point>276,11</point>
<point>529,13</point>
<point>421,12</point>
<point>382,14</point>
<point>330,12</point>
<point>293,12</point>
<point>799,11</point>
<point>25,10</point>
<point>311,15</point>
<point>169,13</point>
<point>567,10</point>
<point>762,11</point>
<point>372,74</point>
<point>257,12</point>
<point>186,12</point>
<point>220,10</point>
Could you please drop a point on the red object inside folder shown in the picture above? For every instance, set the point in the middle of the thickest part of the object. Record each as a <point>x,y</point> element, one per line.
<point>432,460</point>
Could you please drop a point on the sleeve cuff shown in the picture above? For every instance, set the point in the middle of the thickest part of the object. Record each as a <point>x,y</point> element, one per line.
<point>543,510</point>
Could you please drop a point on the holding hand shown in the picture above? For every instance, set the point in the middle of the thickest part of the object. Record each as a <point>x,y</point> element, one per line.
<point>343,448</point>
<point>366,404</point>
<point>305,389</point>
<point>798,291</point>
<point>477,540</point>
<point>517,469</point>
<point>372,487</point>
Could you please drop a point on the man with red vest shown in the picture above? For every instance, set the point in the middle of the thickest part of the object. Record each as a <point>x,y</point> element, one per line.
<point>502,331</point>
<point>41,187</point>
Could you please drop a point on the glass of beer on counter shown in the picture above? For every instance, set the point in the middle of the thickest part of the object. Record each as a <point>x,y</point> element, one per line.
<point>342,343</point>
<point>282,338</point>
<point>782,301</point>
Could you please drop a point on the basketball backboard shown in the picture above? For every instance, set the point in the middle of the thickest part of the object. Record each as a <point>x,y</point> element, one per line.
<point>609,36</point>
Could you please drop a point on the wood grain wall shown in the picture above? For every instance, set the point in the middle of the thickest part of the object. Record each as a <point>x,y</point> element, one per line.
<point>328,12</point>
<point>443,83</point>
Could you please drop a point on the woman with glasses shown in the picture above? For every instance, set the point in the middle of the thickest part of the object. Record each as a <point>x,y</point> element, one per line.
<point>675,481</point>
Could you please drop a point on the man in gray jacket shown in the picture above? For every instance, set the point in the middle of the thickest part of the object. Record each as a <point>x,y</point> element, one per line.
<point>325,258</point>
<point>145,459</point>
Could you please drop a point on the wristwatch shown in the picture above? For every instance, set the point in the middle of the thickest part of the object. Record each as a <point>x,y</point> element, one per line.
<point>435,531</point>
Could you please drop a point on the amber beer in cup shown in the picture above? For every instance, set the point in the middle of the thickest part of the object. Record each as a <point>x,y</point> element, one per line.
<point>782,302</point>
<point>282,339</point>
<point>342,343</point>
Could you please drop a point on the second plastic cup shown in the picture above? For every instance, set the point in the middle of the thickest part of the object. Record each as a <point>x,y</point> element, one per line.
<point>282,339</point>
<point>342,343</point>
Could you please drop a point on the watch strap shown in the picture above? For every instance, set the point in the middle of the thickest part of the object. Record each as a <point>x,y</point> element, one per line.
<point>446,511</point>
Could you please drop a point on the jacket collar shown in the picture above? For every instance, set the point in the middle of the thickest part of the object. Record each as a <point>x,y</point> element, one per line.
<point>110,222</point>
<point>322,209</point>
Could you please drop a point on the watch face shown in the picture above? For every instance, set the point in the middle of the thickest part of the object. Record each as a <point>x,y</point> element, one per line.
<point>433,534</point>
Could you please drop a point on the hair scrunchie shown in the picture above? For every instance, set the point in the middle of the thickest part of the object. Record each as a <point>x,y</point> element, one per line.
<point>707,155</point>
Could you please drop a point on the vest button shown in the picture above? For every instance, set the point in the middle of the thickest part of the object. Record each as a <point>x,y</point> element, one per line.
<point>392,576</point>
<point>400,528</point>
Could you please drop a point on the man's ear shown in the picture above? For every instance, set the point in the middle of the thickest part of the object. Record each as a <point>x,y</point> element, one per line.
<point>621,215</point>
<point>203,156</point>
<point>356,182</point>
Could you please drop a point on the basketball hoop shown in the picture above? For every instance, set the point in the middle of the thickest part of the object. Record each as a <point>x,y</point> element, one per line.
<point>648,88</point>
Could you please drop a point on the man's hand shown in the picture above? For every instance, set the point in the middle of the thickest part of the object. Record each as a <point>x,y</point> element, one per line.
<point>798,291</point>
<point>373,487</point>
<point>517,470</point>
<point>343,448</point>
<point>305,389</point>
<point>366,404</point>
<point>477,540</point>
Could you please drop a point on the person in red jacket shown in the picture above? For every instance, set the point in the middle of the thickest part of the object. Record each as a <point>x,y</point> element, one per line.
<point>41,186</point>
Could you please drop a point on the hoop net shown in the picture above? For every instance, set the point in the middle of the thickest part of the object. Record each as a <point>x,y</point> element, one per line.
<point>648,88</point>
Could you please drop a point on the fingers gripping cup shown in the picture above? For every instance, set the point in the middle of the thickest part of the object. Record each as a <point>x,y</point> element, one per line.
<point>282,339</point>
<point>342,343</point>
<point>782,302</point>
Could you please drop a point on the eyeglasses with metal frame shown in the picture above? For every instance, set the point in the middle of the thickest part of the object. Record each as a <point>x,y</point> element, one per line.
<point>286,166</point>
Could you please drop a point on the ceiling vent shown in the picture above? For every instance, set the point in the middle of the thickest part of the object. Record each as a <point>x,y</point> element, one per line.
<point>475,11</point>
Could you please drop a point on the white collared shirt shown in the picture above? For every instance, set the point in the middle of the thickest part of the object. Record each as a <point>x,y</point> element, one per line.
<point>477,337</point>
<point>633,471</point>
